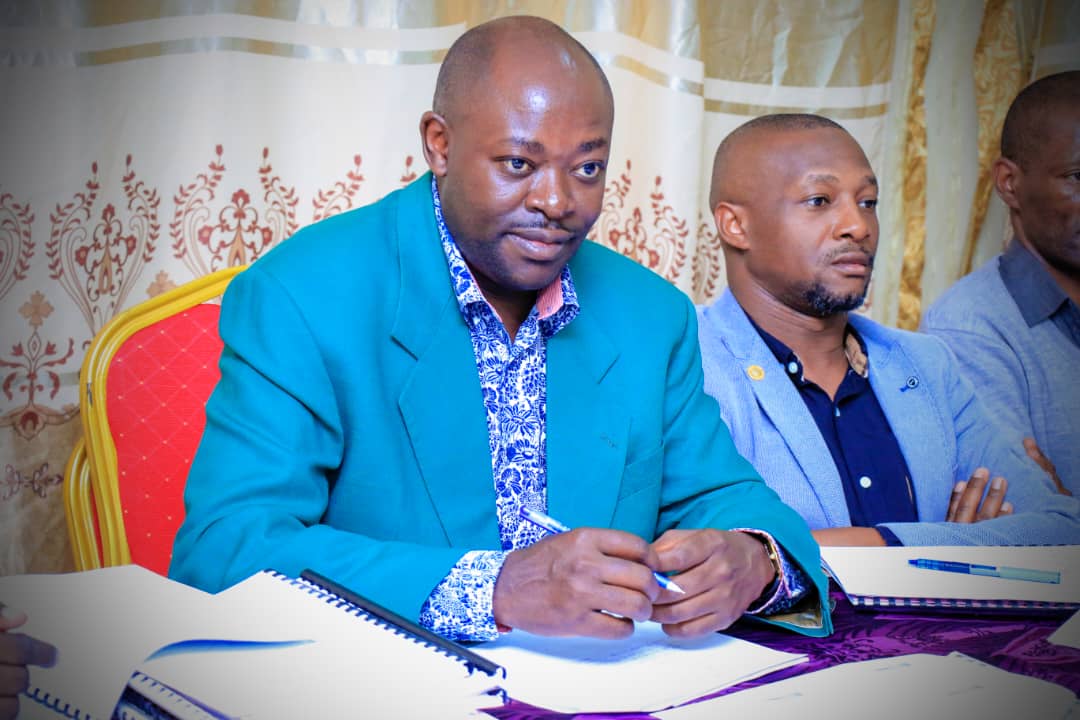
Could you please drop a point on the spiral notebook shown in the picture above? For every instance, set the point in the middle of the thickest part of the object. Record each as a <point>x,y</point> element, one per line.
<point>345,656</point>
<point>882,577</point>
<point>269,647</point>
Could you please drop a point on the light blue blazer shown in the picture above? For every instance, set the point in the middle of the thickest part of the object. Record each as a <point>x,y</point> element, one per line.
<point>348,433</point>
<point>943,431</point>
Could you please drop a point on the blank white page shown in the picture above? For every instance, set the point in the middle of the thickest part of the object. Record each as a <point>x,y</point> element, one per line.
<point>339,664</point>
<point>894,688</point>
<point>103,623</point>
<point>646,671</point>
<point>1069,633</point>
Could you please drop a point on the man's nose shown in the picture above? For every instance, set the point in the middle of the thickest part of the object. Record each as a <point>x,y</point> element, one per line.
<point>856,222</point>
<point>551,194</point>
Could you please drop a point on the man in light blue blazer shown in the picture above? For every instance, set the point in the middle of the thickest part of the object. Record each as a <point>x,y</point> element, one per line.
<point>400,381</point>
<point>871,433</point>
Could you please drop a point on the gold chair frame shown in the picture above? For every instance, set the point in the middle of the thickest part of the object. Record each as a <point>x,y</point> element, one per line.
<point>91,476</point>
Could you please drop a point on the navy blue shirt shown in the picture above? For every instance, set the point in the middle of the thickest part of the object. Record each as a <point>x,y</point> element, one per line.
<point>873,471</point>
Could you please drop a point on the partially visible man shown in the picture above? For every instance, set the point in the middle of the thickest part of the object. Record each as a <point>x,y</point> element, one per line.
<point>1014,324</point>
<point>871,433</point>
<point>400,381</point>
<point>17,651</point>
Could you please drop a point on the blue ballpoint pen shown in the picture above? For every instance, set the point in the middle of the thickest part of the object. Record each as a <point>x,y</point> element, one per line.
<point>554,526</point>
<point>998,571</point>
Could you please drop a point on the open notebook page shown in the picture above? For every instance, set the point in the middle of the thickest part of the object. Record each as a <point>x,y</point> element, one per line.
<point>103,622</point>
<point>646,671</point>
<point>885,572</point>
<point>1069,633</point>
<point>337,664</point>
<point>311,656</point>
<point>894,688</point>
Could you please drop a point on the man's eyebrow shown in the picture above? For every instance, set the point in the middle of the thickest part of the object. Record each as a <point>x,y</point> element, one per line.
<point>536,147</point>
<point>822,178</point>
<point>532,146</point>
<point>826,178</point>
<point>594,144</point>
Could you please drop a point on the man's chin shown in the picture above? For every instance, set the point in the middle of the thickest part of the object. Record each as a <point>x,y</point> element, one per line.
<point>537,282</point>
<point>822,302</point>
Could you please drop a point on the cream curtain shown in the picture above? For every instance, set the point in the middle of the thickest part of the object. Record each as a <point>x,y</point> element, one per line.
<point>143,144</point>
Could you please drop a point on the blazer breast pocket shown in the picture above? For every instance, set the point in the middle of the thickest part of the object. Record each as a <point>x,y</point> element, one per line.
<point>641,474</point>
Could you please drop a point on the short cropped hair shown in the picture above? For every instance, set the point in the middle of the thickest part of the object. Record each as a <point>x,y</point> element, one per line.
<point>468,60</point>
<point>776,121</point>
<point>1023,128</point>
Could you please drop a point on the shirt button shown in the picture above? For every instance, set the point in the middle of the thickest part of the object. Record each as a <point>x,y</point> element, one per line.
<point>793,367</point>
<point>865,482</point>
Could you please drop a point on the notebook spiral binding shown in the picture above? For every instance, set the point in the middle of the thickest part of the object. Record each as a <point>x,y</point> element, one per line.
<point>326,591</point>
<point>56,704</point>
<point>341,597</point>
<point>175,703</point>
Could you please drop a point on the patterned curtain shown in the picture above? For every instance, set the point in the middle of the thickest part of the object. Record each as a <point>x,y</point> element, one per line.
<point>143,144</point>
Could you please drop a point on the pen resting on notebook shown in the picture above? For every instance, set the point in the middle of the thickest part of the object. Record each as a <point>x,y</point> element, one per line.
<point>999,571</point>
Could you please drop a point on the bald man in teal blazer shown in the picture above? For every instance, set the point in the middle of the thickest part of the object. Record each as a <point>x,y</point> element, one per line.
<point>400,382</point>
<point>348,435</point>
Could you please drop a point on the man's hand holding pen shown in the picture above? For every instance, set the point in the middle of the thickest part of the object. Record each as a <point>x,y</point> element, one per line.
<point>721,572</point>
<point>590,581</point>
<point>596,582</point>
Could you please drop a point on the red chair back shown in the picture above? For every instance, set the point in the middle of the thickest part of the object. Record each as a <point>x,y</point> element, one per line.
<point>158,384</point>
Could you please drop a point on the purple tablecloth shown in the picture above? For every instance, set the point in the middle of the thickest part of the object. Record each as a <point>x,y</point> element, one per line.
<point>1014,643</point>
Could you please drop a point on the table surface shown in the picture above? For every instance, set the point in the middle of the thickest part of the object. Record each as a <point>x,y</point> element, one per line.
<point>1015,643</point>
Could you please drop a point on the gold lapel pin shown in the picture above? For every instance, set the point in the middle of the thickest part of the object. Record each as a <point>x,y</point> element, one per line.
<point>756,372</point>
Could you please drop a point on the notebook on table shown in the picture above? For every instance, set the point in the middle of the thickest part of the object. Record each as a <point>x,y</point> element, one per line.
<point>884,577</point>
<point>894,688</point>
<point>269,647</point>
<point>273,647</point>
<point>345,656</point>
<point>645,671</point>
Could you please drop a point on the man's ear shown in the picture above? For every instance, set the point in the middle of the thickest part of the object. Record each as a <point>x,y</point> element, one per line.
<point>1006,178</point>
<point>435,140</point>
<point>730,226</point>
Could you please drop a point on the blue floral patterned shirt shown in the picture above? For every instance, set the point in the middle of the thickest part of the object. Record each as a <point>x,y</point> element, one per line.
<point>513,380</point>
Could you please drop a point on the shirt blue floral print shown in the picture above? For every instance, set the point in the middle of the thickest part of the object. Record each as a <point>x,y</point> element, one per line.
<point>513,380</point>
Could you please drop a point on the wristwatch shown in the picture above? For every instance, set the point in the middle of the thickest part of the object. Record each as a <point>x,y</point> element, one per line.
<point>774,557</point>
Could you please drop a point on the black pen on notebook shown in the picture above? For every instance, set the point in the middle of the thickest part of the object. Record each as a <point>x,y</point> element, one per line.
<point>554,526</point>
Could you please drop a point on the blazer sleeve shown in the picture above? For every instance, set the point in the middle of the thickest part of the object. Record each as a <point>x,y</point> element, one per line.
<point>707,483</point>
<point>261,479</point>
<point>1042,516</point>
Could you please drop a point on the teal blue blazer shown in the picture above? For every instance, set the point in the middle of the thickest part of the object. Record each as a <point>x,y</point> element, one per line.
<point>348,433</point>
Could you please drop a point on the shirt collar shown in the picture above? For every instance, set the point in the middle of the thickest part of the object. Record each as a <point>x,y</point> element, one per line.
<point>550,300</point>
<point>1034,290</point>
<point>854,349</point>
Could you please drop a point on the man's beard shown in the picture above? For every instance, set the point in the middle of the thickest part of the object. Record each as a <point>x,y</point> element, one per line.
<point>822,303</point>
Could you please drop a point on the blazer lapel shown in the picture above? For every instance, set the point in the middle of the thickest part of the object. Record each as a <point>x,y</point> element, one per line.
<point>781,404</point>
<point>441,404</point>
<point>903,396</point>
<point>587,433</point>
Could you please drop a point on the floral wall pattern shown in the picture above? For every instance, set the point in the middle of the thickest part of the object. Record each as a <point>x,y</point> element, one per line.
<point>144,145</point>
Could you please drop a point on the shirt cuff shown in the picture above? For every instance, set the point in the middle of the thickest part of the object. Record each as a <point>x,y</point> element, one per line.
<point>789,587</point>
<point>460,606</point>
<point>888,536</point>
